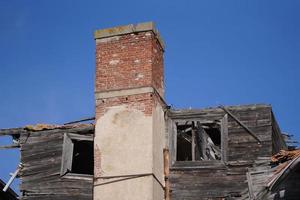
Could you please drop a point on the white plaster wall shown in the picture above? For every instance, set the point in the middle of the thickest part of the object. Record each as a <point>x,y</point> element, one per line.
<point>158,192</point>
<point>158,146</point>
<point>133,189</point>
<point>125,139</point>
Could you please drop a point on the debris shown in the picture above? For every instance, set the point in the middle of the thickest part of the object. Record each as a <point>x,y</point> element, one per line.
<point>285,155</point>
<point>14,175</point>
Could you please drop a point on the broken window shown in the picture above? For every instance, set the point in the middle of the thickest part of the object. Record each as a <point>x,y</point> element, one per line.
<point>198,140</point>
<point>78,155</point>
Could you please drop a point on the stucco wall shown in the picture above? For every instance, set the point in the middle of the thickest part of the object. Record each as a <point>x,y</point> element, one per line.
<point>132,189</point>
<point>129,145</point>
<point>158,146</point>
<point>129,123</point>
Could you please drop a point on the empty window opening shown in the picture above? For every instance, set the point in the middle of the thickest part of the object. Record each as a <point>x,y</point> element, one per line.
<point>78,155</point>
<point>184,142</point>
<point>83,156</point>
<point>196,141</point>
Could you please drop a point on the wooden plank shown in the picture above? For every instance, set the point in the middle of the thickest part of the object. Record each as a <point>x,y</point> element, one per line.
<point>67,155</point>
<point>12,146</point>
<point>241,123</point>
<point>81,120</point>
<point>202,184</point>
<point>80,137</point>
<point>171,136</point>
<point>193,145</point>
<point>250,185</point>
<point>40,177</point>
<point>12,131</point>
<point>202,141</point>
<point>194,165</point>
<point>224,138</point>
<point>213,180</point>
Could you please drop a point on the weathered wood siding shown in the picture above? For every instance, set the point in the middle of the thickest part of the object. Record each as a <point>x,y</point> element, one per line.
<point>242,146</point>
<point>227,179</point>
<point>41,155</point>
<point>278,139</point>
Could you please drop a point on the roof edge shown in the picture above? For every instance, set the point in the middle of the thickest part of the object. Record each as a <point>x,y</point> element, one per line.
<point>127,29</point>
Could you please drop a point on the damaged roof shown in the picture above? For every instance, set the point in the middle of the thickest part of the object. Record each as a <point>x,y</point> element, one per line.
<point>288,161</point>
<point>273,179</point>
<point>42,127</point>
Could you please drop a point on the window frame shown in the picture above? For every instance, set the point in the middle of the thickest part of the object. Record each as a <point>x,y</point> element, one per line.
<point>172,129</point>
<point>67,156</point>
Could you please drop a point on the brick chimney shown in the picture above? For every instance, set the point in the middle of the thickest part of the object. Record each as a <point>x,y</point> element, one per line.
<point>130,126</point>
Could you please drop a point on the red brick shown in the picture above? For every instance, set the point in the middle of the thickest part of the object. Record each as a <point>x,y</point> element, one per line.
<point>131,61</point>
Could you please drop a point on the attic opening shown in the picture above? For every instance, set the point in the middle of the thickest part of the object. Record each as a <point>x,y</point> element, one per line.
<point>78,155</point>
<point>83,157</point>
<point>198,141</point>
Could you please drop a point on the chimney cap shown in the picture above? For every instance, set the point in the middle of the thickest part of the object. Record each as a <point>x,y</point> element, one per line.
<point>127,29</point>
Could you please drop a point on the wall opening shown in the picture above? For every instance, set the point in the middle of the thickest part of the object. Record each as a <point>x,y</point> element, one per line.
<point>184,142</point>
<point>83,157</point>
<point>78,155</point>
<point>198,141</point>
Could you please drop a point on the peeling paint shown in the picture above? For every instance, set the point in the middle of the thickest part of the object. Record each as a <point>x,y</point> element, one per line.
<point>138,76</point>
<point>114,62</point>
<point>125,137</point>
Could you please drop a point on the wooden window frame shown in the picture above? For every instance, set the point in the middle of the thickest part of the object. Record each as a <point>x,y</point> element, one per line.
<point>67,156</point>
<point>172,129</point>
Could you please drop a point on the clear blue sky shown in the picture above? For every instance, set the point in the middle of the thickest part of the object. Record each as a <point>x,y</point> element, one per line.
<point>217,52</point>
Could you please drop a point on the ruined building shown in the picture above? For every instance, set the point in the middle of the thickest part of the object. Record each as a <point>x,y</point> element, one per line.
<point>138,148</point>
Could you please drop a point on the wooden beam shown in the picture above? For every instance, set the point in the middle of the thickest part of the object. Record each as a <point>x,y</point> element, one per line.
<point>12,131</point>
<point>80,137</point>
<point>224,138</point>
<point>202,141</point>
<point>81,120</point>
<point>250,185</point>
<point>12,178</point>
<point>193,145</point>
<point>241,123</point>
<point>12,146</point>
